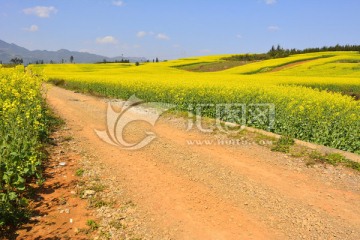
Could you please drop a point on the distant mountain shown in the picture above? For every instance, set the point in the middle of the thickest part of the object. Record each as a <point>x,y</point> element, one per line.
<point>9,51</point>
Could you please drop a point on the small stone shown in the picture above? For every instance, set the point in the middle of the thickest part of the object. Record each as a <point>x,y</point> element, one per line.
<point>73,192</point>
<point>71,221</point>
<point>62,164</point>
<point>67,211</point>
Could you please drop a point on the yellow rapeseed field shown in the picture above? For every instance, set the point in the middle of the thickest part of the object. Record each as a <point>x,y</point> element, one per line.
<point>297,86</point>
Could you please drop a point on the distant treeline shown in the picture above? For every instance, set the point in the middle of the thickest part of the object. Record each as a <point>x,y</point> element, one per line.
<point>279,52</point>
<point>116,61</point>
<point>13,62</point>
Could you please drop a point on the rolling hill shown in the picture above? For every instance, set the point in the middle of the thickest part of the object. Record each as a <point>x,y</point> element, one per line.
<point>9,51</point>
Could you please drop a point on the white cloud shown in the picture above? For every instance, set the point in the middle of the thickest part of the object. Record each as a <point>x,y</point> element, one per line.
<point>32,28</point>
<point>40,11</point>
<point>118,3</point>
<point>239,36</point>
<point>141,34</point>
<point>273,28</point>
<point>162,36</point>
<point>107,40</point>
<point>270,2</point>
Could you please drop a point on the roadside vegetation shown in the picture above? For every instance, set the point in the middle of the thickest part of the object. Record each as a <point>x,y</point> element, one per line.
<point>24,128</point>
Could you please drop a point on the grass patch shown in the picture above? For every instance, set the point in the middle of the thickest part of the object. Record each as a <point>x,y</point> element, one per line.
<point>98,202</point>
<point>79,172</point>
<point>298,151</point>
<point>263,140</point>
<point>98,187</point>
<point>283,144</point>
<point>334,159</point>
<point>92,225</point>
<point>352,164</point>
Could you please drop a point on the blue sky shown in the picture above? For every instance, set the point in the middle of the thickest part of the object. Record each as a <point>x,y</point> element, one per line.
<point>178,28</point>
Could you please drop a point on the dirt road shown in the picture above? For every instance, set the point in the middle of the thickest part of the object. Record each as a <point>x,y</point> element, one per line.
<point>215,191</point>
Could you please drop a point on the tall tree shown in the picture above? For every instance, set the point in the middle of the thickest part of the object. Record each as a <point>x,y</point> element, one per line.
<point>71,58</point>
<point>17,61</point>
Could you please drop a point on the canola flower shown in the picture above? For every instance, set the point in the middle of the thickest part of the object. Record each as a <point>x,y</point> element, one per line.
<point>22,127</point>
<point>304,108</point>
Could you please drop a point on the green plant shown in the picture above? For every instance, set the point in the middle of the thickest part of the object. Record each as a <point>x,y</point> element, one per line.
<point>79,172</point>
<point>316,156</point>
<point>283,144</point>
<point>97,202</point>
<point>117,224</point>
<point>98,187</point>
<point>353,165</point>
<point>92,224</point>
<point>334,158</point>
<point>297,153</point>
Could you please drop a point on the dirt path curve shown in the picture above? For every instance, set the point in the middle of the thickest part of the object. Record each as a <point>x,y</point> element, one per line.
<point>216,191</point>
<point>286,66</point>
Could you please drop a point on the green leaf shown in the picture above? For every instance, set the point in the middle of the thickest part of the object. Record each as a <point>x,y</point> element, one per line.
<point>12,196</point>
